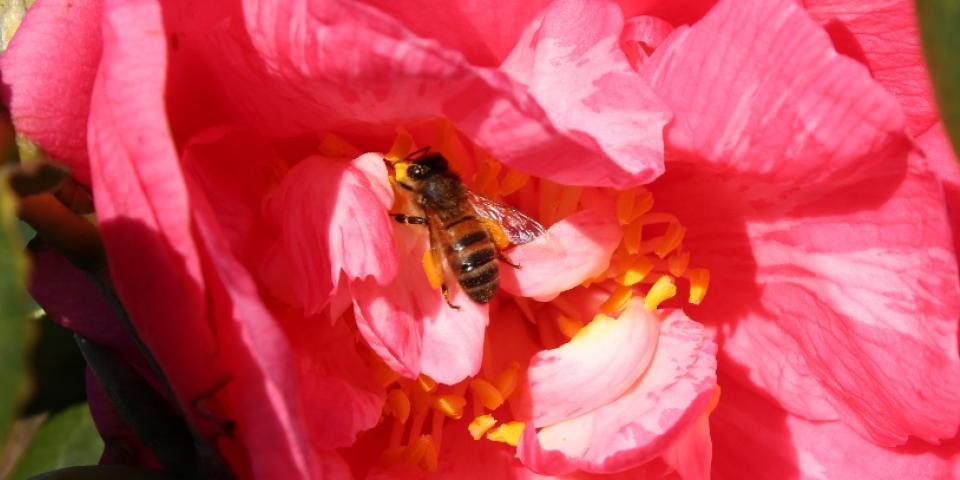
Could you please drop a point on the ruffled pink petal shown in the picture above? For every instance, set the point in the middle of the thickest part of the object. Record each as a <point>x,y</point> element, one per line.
<point>691,457</point>
<point>482,34</point>
<point>573,250</point>
<point>571,61</point>
<point>594,368</point>
<point>49,70</point>
<point>839,305</point>
<point>142,204</point>
<point>753,438</point>
<point>642,35</point>
<point>677,12</point>
<point>943,161</point>
<point>757,89</point>
<point>411,326</point>
<point>390,78</point>
<point>639,426</point>
<point>884,36</point>
<point>334,219</point>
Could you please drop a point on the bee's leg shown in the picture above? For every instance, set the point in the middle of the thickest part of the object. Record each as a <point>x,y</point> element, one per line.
<point>446,296</point>
<point>409,219</point>
<point>503,258</point>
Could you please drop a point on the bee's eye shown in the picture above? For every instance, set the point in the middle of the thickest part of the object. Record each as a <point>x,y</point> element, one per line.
<point>417,171</point>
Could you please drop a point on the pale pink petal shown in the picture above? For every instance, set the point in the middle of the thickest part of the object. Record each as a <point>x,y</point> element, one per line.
<point>411,326</point>
<point>639,426</point>
<point>757,89</point>
<point>142,203</point>
<point>692,455</point>
<point>573,250</point>
<point>48,71</point>
<point>884,36</point>
<point>839,305</point>
<point>334,219</point>
<point>642,35</point>
<point>571,61</point>
<point>603,361</point>
<point>482,34</point>
<point>752,438</point>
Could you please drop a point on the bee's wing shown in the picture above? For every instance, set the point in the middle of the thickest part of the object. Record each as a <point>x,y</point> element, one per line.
<point>518,227</point>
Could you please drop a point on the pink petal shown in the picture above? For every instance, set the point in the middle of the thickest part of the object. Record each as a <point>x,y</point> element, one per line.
<point>334,218</point>
<point>142,203</point>
<point>755,439</point>
<point>410,325</point>
<point>943,161</point>
<point>390,78</point>
<point>758,90</point>
<point>642,35</point>
<point>883,35</point>
<point>571,61</point>
<point>49,69</point>
<point>594,368</point>
<point>676,12</point>
<point>493,32</point>
<point>572,251</point>
<point>643,423</point>
<point>863,292</point>
<point>692,455</point>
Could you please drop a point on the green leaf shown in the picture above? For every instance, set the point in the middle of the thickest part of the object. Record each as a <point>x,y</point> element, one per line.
<point>67,439</point>
<point>14,326</point>
<point>940,31</point>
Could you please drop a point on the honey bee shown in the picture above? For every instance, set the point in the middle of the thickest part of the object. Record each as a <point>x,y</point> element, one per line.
<point>462,225</point>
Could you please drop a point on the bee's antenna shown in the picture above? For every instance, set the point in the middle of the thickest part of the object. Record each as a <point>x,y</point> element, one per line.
<point>418,154</point>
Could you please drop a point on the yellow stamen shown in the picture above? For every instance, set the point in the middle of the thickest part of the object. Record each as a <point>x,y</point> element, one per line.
<point>670,240</point>
<point>508,433</point>
<point>633,237</point>
<point>430,459</point>
<point>335,146</point>
<point>426,383</point>
<point>398,405</point>
<point>382,373</point>
<point>677,264</point>
<point>496,233</point>
<point>512,182</point>
<point>643,204</point>
<point>699,281</point>
<point>486,393</point>
<point>568,326</point>
<point>508,379</point>
<point>625,201</point>
<point>663,289</point>
<point>618,300</point>
<point>433,268</point>
<point>450,405</point>
<point>402,146</point>
<point>417,449</point>
<point>480,425</point>
<point>569,199</point>
<point>636,272</point>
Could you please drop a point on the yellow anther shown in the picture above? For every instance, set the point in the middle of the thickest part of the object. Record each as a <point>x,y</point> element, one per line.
<point>336,146</point>
<point>433,267</point>
<point>415,452</point>
<point>625,201</point>
<point>486,394</point>
<point>426,383</point>
<point>670,240</point>
<point>663,289</point>
<point>430,458</point>
<point>568,326</point>
<point>398,405</point>
<point>643,204</point>
<point>633,237</point>
<point>618,300</point>
<point>480,425</point>
<point>508,433</point>
<point>699,281</point>
<point>383,374</point>
<point>402,146</point>
<point>512,182</point>
<point>496,233</point>
<point>636,272</point>
<point>450,405</point>
<point>400,171</point>
<point>677,264</point>
<point>569,199</point>
<point>508,379</point>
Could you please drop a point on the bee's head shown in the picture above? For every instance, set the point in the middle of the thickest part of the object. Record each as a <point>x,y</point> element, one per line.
<point>410,174</point>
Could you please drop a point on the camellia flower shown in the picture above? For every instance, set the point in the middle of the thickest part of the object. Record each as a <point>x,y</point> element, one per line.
<point>710,175</point>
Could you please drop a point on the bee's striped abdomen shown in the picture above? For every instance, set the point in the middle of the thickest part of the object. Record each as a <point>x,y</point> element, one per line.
<point>471,254</point>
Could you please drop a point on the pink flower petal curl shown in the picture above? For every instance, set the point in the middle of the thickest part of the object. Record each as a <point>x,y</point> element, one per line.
<point>639,426</point>
<point>573,250</point>
<point>49,70</point>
